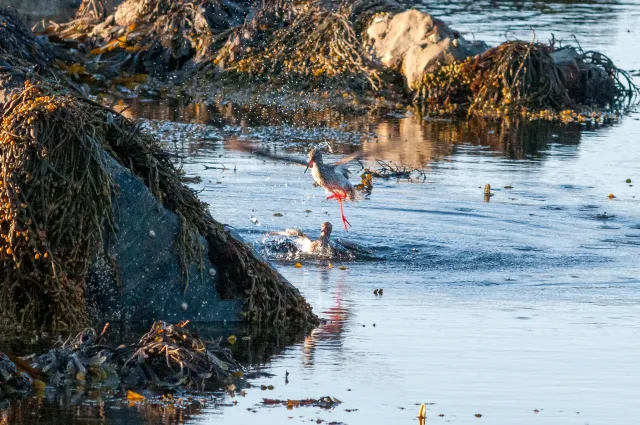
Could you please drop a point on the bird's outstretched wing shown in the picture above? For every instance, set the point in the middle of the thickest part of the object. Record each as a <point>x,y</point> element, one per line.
<point>289,232</point>
<point>357,155</point>
<point>339,164</point>
<point>265,154</point>
<point>343,169</point>
<point>351,157</point>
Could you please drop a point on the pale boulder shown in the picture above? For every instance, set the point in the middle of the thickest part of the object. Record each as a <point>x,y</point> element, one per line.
<point>413,42</point>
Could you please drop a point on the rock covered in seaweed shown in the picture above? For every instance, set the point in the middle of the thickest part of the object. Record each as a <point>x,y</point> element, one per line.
<point>54,145</point>
<point>77,174</point>
<point>530,80</point>
<point>17,42</point>
<point>377,50</point>
<point>21,54</point>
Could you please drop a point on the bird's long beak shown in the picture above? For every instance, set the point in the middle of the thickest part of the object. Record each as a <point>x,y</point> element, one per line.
<point>310,164</point>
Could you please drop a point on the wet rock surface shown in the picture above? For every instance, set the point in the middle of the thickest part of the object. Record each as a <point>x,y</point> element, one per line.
<point>12,381</point>
<point>140,277</point>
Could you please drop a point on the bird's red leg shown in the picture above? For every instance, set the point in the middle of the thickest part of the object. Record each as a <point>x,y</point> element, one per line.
<point>344,219</point>
<point>333,196</point>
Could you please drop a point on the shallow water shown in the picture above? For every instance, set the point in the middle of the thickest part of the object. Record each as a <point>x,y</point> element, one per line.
<point>529,302</point>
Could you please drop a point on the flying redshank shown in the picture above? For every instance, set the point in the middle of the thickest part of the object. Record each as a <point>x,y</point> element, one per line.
<point>334,177</point>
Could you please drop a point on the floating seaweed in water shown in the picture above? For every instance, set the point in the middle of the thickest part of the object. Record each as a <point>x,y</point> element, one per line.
<point>82,359</point>
<point>388,170</point>
<point>167,357</point>
<point>326,402</point>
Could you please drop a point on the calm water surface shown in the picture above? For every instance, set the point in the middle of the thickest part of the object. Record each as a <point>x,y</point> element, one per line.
<point>524,309</point>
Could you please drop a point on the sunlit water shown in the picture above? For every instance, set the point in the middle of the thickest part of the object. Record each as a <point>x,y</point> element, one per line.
<point>524,309</point>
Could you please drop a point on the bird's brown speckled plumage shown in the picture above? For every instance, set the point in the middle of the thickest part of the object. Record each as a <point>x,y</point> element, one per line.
<point>333,178</point>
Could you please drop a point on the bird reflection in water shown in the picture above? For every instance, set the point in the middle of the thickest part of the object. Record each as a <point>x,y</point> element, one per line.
<point>329,335</point>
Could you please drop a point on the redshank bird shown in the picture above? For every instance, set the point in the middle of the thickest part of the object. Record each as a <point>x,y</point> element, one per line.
<point>321,246</point>
<point>334,177</point>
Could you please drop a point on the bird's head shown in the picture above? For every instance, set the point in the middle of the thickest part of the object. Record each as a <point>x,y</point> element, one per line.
<point>315,155</point>
<point>326,229</point>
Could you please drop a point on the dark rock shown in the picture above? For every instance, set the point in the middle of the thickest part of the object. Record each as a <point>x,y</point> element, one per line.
<point>11,380</point>
<point>139,277</point>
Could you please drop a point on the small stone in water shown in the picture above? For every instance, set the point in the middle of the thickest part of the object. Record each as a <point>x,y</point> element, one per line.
<point>277,214</point>
<point>152,234</point>
<point>212,272</point>
<point>183,306</point>
<point>628,180</point>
